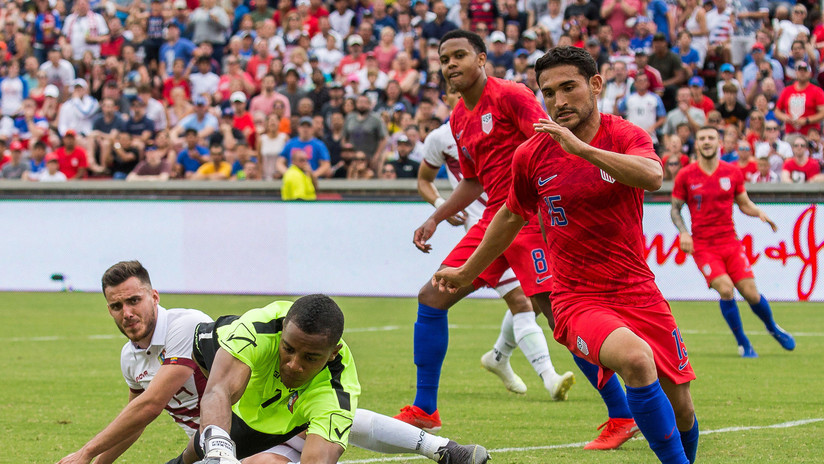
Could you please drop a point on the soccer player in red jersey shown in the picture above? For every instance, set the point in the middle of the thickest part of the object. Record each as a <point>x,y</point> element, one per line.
<point>710,187</point>
<point>492,119</point>
<point>586,173</point>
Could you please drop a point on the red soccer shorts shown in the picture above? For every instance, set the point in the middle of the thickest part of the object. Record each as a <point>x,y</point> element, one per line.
<point>583,325</point>
<point>715,261</point>
<point>526,256</point>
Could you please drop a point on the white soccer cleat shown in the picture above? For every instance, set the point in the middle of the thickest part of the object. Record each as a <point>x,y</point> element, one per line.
<point>560,388</point>
<point>498,365</point>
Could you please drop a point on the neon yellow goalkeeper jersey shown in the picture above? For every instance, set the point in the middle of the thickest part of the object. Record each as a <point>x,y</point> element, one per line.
<point>326,404</point>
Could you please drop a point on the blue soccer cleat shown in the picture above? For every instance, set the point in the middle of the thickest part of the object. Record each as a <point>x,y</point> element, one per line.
<point>783,338</point>
<point>747,352</point>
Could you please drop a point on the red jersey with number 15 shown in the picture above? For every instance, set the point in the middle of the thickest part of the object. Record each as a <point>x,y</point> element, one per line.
<point>488,135</point>
<point>593,223</point>
<point>710,198</point>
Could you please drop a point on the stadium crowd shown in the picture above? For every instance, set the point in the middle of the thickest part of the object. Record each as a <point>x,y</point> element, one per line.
<point>314,89</point>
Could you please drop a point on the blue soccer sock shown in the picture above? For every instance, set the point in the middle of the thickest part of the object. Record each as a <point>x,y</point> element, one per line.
<point>655,418</point>
<point>689,440</point>
<point>612,393</point>
<point>431,340</point>
<point>764,312</point>
<point>729,309</point>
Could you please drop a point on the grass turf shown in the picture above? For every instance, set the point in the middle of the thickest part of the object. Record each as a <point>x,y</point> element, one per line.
<point>61,383</point>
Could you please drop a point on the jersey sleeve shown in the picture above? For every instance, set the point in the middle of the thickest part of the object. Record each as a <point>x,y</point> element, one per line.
<point>432,148</point>
<point>523,197</point>
<point>635,141</point>
<point>738,177</point>
<point>180,337</point>
<point>525,109</point>
<point>679,187</point>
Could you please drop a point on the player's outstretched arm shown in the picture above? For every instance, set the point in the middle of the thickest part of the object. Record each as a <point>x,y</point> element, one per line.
<point>141,410</point>
<point>227,382</point>
<point>750,209</point>
<point>317,450</point>
<point>430,194</point>
<point>635,171</point>
<point>685,239</point>
<point>499,235</point>
<point>465,193</point>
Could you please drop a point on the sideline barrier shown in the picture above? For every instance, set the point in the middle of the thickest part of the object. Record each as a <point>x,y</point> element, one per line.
<point>340,248</point>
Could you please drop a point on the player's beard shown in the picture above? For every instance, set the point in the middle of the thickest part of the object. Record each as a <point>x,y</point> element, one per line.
<point>148,328</point>
<point>583,114</point>
<point>713,153</point>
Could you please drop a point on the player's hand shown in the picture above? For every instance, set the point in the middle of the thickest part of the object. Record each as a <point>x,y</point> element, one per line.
<point>569,142</point>
<point>75,458</point>
<point>685,242</point>
<point>423,234</point>
<point>458,219</point>
<point>764,218</point>
<point>450,279</point>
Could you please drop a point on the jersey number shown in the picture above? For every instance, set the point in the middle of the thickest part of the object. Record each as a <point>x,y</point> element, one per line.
<point>556,213</point>
<point>539,260</point>
<point>698,199</point>
<point>679,344</point>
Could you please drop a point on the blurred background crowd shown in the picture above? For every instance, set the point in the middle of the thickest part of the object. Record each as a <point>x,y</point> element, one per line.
<point>311,89</point>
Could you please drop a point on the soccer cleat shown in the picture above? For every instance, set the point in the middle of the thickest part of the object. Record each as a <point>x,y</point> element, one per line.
<point>784,338</point>
<point>454,453</point>
<point>616,431</point>
<point>560,389</point>
<point>495,363</point>
<point>416,416</point>
<point>747,352</point>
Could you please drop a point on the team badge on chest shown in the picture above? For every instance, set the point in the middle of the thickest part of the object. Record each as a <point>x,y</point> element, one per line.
<point>486,123</point>
<point>725,183</point>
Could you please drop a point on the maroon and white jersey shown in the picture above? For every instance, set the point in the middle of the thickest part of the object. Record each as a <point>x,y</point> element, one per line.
<point>171,344</point>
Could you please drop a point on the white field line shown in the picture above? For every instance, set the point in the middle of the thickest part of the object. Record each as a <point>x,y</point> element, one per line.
<point>782,425</point>
<point>385,328</point>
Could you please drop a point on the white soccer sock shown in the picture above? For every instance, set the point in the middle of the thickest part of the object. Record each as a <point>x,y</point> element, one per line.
<point>532,342</point>
<point>385,434</point>
<point>506,339</point>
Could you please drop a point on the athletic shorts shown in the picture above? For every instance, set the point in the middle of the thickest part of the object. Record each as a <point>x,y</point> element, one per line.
<point>717,260</point>
<point>583,325</point>
<point>249,441</point>
<point>526,256</point>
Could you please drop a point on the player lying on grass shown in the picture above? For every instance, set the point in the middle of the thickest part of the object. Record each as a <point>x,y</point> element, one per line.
<point>587,172</point>
<point>158,366</point>
<point>709,188</point>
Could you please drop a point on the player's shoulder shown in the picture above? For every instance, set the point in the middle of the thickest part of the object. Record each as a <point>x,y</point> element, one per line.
<point>268,319</point>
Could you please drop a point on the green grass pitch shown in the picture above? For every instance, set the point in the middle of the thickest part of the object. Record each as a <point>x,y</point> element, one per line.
<point>60,382</point>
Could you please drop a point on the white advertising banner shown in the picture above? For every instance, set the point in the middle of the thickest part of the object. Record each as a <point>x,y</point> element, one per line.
<point>337,248</point>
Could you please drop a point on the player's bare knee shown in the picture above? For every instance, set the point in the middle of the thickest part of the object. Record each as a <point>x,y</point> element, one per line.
<point>517,301</point>
<point>432,297</point>
<point>724,287</point>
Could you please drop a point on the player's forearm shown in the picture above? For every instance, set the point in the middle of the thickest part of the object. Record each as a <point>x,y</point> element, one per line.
<point>131,420</point>
<point>498,236</point>
<point>428,191</point>
<point>749,208</point>
<point>109,456</point>
<point>465,193</point>
<point>677,219</point>
<point>216,409</point>
<point>635,171</point>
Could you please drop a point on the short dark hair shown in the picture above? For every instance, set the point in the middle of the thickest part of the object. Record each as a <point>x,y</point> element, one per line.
<point>124,271</point>
<point>707,127</point>
<point>317,315</point>
<point>562,56</point>
<point>474,39</point>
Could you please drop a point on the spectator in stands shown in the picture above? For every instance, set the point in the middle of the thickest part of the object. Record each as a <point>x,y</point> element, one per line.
<point>773,148</point>
<point>315,151</point>
<point>404,167</point>
<point>354,61</point>
<point>103,135</point>
<point>730,108</point>
<point>366,131</point>
<point>210,23</point>
<point>84,30</point>
<point>153,167</point>
<point>799,53</point>
<point>125,155</point>
<point>755,128</point>
<point>729,144</point>
<point>291,89</point>
<point>644,108</point>
<point>699,100</point>
<point>341,18</point>
<point>756,70</point>
<point>615,13</point>
<point>727,76</point>
<point>436,28</point>
<point>690,58</point>
<point>13,90</point>
<point>300,181</point>
<point>216,168</point>
<point>388,172</point>
<point>52,173</point>
<point>719,23</point>
<point>788,30</point>
<point>766,106</point>
<point>177,79</point>
<point>79,111</point>
<point>801,168</point>
<point>45,30</point>
<point>234,79</point>
<point>242,120</point>
<point>204,82</point>
<point>270,145</point>
<point>616,88</point>
<point>668,63</point>
<point>265,100</point>
<point>750,16</point>
<point>72,158</point>
<point>139,126</point>
<point>15,166</point>
<point>341,166</point>
<point>191,156</point>
<point>36,164</point>
<point>801,105</point>
<point>765,174</point>
<point>683,113</point>
<point>359,167</point>
<point>746,161</point>
<point>201,121</point>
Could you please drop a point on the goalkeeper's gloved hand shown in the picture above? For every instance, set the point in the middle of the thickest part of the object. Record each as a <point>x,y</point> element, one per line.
<point>217,447</point>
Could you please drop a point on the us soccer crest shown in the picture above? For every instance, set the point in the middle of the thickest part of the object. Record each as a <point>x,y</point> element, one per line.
<point>725,183</point>
<point>486,123</point>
